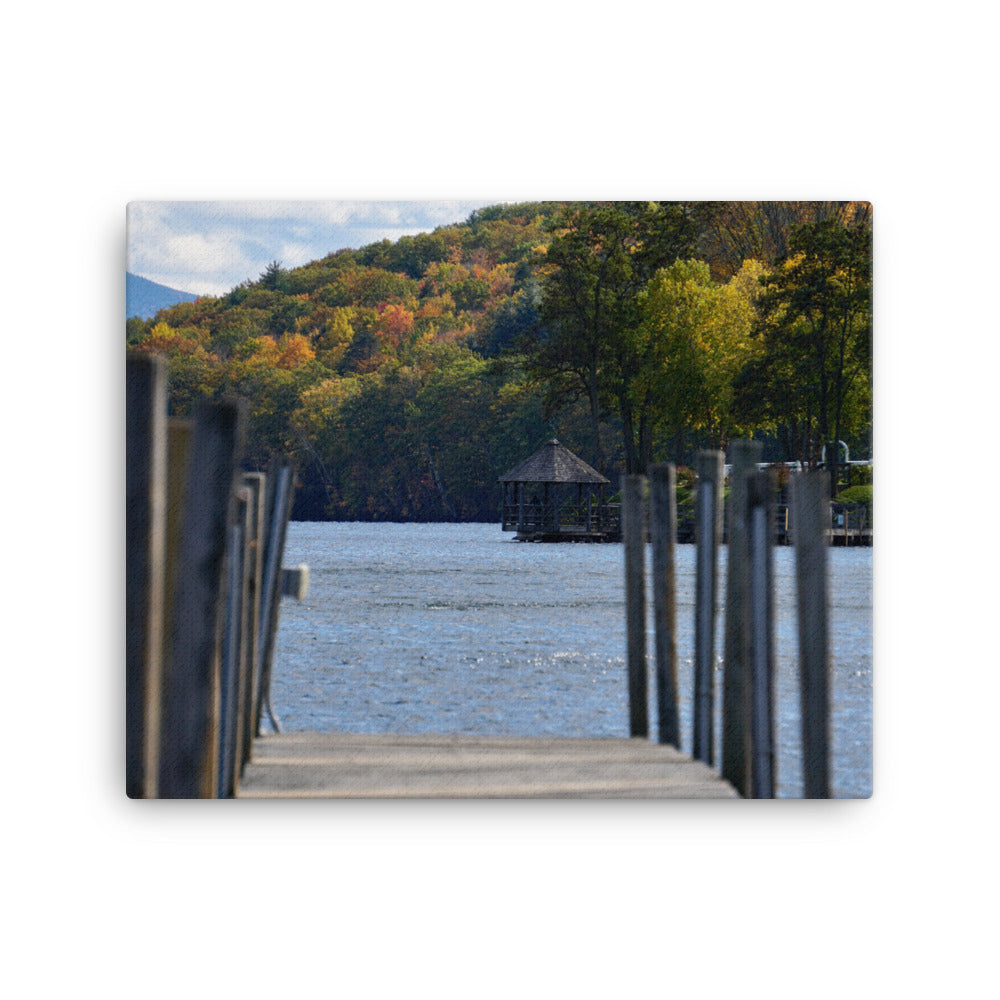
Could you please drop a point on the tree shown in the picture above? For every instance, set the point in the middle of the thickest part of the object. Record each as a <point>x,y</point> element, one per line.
<point>295,351</point>
<point>514,318</point>
<point>273,277</point>
<point>451,422</point>
<point>385,476</point>
<point>695,338</point>
<point>671,382</point>
<point>736,231</point>
<point>816,332</point>
<point>598,261</point>
<point>135,329</point>
<point>317,427</point>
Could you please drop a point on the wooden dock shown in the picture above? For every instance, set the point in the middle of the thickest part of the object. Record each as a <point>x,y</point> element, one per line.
<point>205,543</point>
<point>334,766</point>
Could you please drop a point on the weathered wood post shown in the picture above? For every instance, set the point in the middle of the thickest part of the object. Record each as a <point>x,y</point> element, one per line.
<point>248,638</point>
<point>280,495</point>
<point>760,543</point>
<point>229,665</point>
<point>295,581</point>
<point>663,535</point>
<point>179,435</point>
<point>744,456</point>
<point>811,518</point>
<point>256,485</point>
<point>145,543</point>
<point>633,536</point>
<point>234,647</point>
<point>708,529</point>
<point>190,734</point>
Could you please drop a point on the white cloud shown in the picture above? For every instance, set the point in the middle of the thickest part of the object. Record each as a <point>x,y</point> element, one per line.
<point>212,253</point>
<point>209,247</point>
<point>294,254</point>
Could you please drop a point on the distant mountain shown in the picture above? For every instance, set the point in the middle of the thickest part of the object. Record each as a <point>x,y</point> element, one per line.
<point>146,298</point>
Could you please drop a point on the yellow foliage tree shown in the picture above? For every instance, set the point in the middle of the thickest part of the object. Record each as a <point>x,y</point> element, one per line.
<point>294,351</point>
<point>164,339</point>
<point>697,336</point>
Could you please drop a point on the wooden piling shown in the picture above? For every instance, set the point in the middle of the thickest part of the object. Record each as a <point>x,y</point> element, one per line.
<point>190,734</point>
<point>708,528</point>
<point>256,486</point>
<point>663,535</point>
<point>633,536</point>
<point>235,647</point>
<point>810,518</point>
<point>760,543</point>
<point>278,508</point>
<point>228,663</point>
<point>744,456</point>
<point>179,434</point>
<point>145,542</point>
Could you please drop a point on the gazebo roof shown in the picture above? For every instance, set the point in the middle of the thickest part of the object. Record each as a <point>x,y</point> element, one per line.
<point>553,463</point>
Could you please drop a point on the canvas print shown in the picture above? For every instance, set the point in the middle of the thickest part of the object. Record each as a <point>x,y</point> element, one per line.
<point>492,499</point>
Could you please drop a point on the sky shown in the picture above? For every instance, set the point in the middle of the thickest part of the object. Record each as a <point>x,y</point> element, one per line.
<point>209,247</point>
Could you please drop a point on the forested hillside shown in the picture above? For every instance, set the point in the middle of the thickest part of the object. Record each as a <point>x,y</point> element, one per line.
<point>406,377</point>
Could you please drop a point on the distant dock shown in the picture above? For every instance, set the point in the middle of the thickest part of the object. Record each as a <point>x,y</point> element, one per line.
<point>850,525</point>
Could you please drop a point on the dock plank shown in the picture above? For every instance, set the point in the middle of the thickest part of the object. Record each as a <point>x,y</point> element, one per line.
<point>328,765</point>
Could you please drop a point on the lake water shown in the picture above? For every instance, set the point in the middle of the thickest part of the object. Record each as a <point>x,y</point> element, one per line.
<point>456,628</point>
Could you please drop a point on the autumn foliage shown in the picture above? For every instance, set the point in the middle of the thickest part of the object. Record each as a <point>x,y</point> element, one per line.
<point>406,376</point>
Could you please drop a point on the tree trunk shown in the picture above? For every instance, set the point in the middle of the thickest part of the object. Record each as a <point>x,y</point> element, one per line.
<point>595,424</point>
<point>645,443</point>
<point>628,440</point>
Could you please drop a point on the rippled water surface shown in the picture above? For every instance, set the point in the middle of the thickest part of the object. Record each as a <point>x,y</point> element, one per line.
<point>456,628</point>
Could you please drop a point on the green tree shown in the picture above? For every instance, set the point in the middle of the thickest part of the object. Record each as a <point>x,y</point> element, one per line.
<point>816,331</point>
<point>696,338</point>
<point>135,329</point>
<point>512,320</point>
<point>451,422</point>
<point>274,277</point>
<point>598,261</point>
<point>318,428</point>
<point>385,476</point>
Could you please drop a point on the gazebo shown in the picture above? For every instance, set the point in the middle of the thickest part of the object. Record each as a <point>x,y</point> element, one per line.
<point>553,496</point>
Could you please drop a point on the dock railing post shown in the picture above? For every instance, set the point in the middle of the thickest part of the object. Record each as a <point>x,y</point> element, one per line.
<point>256,485</point>
<point>245,497</point>
<point>760,539</point>
<point>634,537</point>
<point>229,665</point>
<point>663,535</point>
<point>235,647</point>
<point>810,519</point>
<point>280,491</point>
<point>145,578</point>
<point>744,456</point>
<point>190,727</point>
<point>708,528</point>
